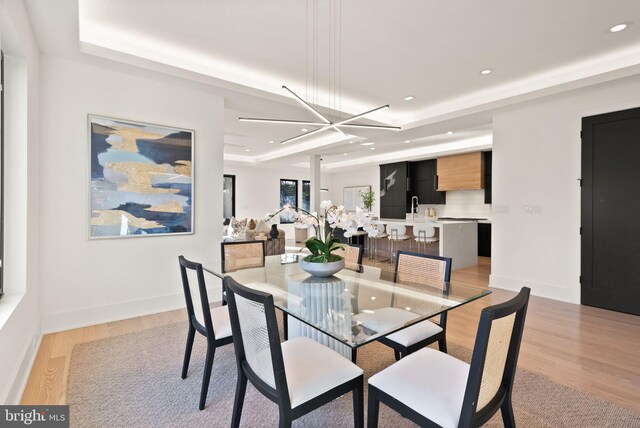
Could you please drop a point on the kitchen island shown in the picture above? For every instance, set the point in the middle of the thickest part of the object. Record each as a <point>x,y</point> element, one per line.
<point>458,239</point>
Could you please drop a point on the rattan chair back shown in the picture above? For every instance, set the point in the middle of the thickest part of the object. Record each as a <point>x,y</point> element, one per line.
<point>494,359</point>
<point>352,256</point>
<point>242,255</point>
<point>256,339</point>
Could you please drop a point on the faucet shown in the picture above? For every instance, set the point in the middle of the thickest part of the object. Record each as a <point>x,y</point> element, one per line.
<point>414,209</point>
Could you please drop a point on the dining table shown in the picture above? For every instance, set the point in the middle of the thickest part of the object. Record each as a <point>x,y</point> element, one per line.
<point>351,308</point>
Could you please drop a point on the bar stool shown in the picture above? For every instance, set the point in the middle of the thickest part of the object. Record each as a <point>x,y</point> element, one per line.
<point>373,240</point>
<point>424,234</point>
<point>397,233</point>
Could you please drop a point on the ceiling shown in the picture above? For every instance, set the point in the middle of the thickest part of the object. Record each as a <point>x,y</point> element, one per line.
<point>361,54</point>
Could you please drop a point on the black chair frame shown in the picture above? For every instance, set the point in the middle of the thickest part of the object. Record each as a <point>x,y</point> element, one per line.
<point>279,395</point>
<point>469,417</point>
<point>194,325</point>
<point>401,350</point>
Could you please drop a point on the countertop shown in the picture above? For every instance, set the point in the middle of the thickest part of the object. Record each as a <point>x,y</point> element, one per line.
<point>411,223</point>
<point>435,222</point>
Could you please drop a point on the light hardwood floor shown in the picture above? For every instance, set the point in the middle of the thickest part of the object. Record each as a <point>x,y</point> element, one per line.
<point>589,349</point>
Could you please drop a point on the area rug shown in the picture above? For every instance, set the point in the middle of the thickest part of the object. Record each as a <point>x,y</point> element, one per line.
<point>134,381</point>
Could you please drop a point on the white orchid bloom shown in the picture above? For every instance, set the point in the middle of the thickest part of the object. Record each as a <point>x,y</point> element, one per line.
<point>371,230</point>
<point>325,205</point>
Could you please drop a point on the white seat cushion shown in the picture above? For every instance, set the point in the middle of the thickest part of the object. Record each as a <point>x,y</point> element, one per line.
<point>399,238</point>
<point>420,239</point>
<point>313,369</point>
<point>221,322</point>
<point>415,333</point>
<point>428,381</point>
<point>379,236</point>
<point>387,318</point>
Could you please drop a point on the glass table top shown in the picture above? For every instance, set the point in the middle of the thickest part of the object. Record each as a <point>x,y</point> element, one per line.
<point>357,305</point>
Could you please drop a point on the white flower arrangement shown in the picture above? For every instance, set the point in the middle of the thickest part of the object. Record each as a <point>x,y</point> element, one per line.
<point>324,244</point>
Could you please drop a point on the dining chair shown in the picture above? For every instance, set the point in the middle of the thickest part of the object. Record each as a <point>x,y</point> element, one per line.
<point>299,375</point>
<point>433,389</point>
<point>212,323</point>
<point>242,255</point>
<point>352,256</point>
<point>430,271</point>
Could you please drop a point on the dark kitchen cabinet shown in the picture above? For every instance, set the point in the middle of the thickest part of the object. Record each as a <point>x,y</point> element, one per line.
<point>488,159</point>
<point>393,190</point>
<point>484,239</point>
<point>423,182</point>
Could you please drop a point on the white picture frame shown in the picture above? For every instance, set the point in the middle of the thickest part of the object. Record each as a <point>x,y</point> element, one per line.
<point>351,197</point>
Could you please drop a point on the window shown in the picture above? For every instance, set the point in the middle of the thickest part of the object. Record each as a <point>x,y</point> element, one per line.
<point>306,195</point>
<point>229,197</point>
<point>288,195</point>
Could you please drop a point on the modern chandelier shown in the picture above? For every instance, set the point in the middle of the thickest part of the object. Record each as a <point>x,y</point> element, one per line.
<point>324,124</point>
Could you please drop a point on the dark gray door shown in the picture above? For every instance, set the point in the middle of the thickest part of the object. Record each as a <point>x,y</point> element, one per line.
<point>610,260</point>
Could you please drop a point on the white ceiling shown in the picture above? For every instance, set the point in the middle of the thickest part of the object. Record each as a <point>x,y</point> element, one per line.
<point>386,50</point>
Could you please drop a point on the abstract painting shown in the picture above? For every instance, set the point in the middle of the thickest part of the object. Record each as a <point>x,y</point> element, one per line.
<point>141,179</point>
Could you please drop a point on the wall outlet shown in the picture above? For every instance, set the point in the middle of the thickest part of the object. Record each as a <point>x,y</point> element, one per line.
<point>533,209</point>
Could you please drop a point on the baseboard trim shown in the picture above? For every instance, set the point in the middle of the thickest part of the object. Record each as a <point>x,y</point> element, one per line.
<point>61,321</point>
<point>549,291</point>
<point>24,371</point>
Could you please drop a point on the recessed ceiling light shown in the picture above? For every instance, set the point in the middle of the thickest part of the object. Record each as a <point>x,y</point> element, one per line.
<point>486,71</point>
<point>270,141</point>
<point>304,129</point>
<point>367,144</point>
<point>351,142</point>
<point>373,148</point>
<point>345,154</point>
<point>450,132</point>
<point>407,141</point>
<point>618,27</point>
<point>247,150</point>
<point>409,97</point>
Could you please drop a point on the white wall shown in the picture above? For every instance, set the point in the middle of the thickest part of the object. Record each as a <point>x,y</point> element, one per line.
<point>536,161</point>
<point>88,282</point>
<point>19,309</point>
<point>466,203</point>
<point>363,176</point>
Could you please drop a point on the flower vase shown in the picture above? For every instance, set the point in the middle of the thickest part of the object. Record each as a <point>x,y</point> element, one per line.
<point>322,270</point>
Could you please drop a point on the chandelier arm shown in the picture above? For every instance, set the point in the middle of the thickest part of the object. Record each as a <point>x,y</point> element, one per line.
<point>285,121</point>
<point>307,105</point>
<point>358,125</point>
<point>335,128</point>
<point>306,134</point>
<point>358,116</point>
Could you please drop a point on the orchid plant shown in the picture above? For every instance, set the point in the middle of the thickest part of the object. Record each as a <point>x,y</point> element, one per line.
<point>324,245</point>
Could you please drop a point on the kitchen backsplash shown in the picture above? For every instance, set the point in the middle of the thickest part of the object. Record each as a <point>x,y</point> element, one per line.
<point>461,203</point>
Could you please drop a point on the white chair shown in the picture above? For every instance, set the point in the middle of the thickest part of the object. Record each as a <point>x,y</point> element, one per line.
<point>397,234</point>
<point>424,234</point>
<point>373,240</point>
<point>435,389</point>
<point>298,375</point>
